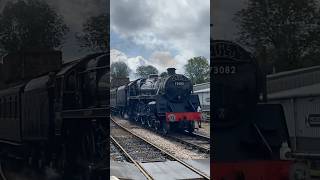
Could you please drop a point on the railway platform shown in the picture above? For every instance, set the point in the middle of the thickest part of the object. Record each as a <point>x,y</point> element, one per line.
<point>166,170</point>
<point>125,170</point>
<point>202,164</point>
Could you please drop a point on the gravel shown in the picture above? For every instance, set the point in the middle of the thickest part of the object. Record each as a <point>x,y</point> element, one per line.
<point>138,149</point>
<point>177,149</point>
<point>193,139</point>
<point>204,130</point>
<point>115,154</point>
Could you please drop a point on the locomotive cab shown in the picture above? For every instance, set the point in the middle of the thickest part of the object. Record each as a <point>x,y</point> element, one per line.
<point>248,133</point>
<point>149,85</point>
<point>237,82</point>
<point>83,83</point>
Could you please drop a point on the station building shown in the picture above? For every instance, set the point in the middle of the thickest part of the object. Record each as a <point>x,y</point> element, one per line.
<point>299,93</point>
<point>203,91</point>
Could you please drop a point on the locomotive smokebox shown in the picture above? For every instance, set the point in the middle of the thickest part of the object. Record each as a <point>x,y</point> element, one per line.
<point>171,71</point>
<point>153,76</point>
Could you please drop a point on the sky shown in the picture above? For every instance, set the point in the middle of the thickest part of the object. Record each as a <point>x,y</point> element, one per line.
<point>222,15</point>
<point>161,33</point>
<point>74,13</point>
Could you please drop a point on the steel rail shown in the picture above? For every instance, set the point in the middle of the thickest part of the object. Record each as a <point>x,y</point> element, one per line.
<point>3,177</point>
<point>202,136</point>
<point>186,142</point>
<point>205,176</point>
<point>194,145</point>
<point>141,169</point>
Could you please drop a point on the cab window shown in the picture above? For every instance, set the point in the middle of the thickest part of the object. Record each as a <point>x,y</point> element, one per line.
<point>70,83</point>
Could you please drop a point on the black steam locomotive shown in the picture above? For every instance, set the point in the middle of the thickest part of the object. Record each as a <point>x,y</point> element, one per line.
<point>248,133</point>
<point>58,118</point>
<point>163,103</point>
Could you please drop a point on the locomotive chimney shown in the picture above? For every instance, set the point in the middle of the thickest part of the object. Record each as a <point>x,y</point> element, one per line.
<point>171,71</point>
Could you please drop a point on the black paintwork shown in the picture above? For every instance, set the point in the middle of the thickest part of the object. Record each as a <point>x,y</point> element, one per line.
<point>245,128</point>
<point>58,114</point>
<point>150,98</point>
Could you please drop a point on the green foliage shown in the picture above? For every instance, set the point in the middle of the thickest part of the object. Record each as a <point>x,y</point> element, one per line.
<point>163,74</point>
<point>145,71</point>
<point>198,70</point>
<point>119,70</point>
<point>95,34</point>
<point>283,34</point>
<point>30,24</point>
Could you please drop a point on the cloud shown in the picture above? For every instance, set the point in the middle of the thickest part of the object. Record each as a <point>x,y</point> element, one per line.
<point>130,15</point>
<point>164,59</point>
<point>159,59</point>
<point>132,62</point>
<point>181,27</point>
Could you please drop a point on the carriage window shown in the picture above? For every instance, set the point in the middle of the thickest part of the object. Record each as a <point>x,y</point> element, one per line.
<point>104,81</point>
<point>71,82</point>
<point>58,87</point>
<point>15,107</point>
<point>4,107</point>
<point>10,107</point>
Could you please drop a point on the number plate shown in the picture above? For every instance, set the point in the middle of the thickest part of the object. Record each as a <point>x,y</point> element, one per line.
<point>313,120</point>
<point>179,83</point>
<point>224,69</point>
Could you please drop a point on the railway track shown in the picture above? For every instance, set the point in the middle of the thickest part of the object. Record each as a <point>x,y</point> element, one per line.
<point>115,152</point>
<point>2,175</point>
<point>130,159</point>
<point>195,141</point>
<point>134,145</point>
<point>156,153</point>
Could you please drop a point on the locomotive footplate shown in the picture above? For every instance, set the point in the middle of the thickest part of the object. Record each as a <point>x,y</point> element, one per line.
<point>183,116</point>
<point>146,97</point>
<point>86,113</point>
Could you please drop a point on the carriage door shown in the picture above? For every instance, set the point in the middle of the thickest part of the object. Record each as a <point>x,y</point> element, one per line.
<point>70,98</point>
<point>58,94</point>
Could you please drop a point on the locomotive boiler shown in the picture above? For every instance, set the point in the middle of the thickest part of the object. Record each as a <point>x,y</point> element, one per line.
<point>163,103</point>
<point>58,118</point>
<point>248,133</point>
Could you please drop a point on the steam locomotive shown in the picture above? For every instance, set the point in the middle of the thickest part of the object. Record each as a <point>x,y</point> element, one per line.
<point>58,118</point>
<point>249,134</point>
<point>163,103</point>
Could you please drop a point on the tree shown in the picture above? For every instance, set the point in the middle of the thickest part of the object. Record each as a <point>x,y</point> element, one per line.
<point>163,74</point>
<point>29,25</point>
<point>95,34</point>
<point>284,34</point>
<point>197,69</point>
<point>119,70</point>
<point>145,71</point>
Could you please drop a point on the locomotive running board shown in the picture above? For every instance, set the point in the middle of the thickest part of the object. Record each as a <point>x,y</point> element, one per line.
<point>142,97</point>
<point>86,113</point>
<point>10,142</point>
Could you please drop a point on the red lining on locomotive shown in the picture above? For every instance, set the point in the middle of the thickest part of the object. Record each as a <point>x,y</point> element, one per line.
<point>183,116</point>
<point>251,170</point>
